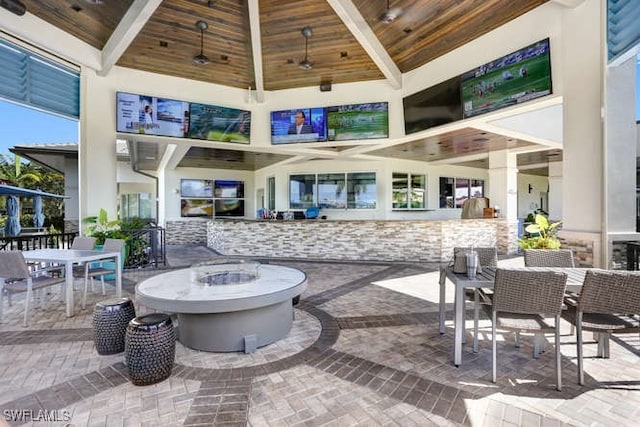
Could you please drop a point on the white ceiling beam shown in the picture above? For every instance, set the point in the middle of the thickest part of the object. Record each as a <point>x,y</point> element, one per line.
<point>571,4</point>
<point>256,49</point>
<point>130,25</point>
<point>354,21</point>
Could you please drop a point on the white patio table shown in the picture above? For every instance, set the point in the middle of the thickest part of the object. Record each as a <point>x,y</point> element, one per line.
<point>486,279</point>
<point>69,257</point>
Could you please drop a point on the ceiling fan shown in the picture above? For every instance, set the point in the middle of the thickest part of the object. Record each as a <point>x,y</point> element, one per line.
<point>305,64</point>
<point>201,59</point>
<point>390,14</point>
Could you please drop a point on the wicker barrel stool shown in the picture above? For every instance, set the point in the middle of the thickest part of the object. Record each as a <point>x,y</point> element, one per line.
<point>110,320</point>
<point>150,348</point>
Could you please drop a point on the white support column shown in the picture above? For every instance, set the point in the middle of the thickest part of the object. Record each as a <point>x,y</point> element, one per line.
<point>503,183</point>
<point>582,62</point>
<point>555,190</point>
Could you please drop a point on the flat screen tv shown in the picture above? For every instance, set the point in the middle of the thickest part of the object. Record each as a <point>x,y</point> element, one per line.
<point>228,189</point>
<point>512,79</point>
<point>300,125</point>
<point>196,207</point>
<point>437,105</point>
<point>201,188</point>
<point>358,121</point>
<point>151,115</point>
<point>229,207</point>
<point>223,124</point>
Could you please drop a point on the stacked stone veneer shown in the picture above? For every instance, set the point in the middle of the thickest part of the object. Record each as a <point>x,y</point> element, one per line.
<point>427,241</point>
<point>186,232</point>
<point>582,251</point>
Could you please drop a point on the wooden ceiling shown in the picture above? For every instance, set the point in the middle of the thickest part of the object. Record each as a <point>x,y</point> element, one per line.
<point>168,41</point>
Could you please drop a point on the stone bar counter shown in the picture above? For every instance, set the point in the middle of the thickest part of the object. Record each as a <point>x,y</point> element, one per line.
<point>362,240</point>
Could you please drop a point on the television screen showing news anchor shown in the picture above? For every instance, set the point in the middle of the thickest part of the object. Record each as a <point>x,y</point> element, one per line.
<point>298,125</point>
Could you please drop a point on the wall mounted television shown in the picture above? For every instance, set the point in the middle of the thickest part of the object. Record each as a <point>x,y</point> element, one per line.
<point>229,207</point>
<point>215,123</point>
<point>313,129</point>
<point>358,121</point>
<point>151,115</point>
<point>201,188</point>
<point>515,78</point>
<point>196,207</point>
<point>228,189</point>
<point>437,105</point>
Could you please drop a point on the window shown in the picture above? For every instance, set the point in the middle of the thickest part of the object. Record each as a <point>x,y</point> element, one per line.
<point>455,191</point>
<point>302,191</point>
<point>362,192</point>
<point>333,190</point>
<point>408,191</point>
<point>271,189</point>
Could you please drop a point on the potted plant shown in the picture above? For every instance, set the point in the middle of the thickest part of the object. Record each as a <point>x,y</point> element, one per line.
<point>541,235</point>
<point>102,228</point>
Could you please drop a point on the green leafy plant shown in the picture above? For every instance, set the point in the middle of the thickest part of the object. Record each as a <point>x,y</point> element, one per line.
<point>542,235</point>
<point>102,228</point>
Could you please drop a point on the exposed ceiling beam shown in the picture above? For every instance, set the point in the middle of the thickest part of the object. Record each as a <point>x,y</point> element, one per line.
<point>256,48</point>
<point>354,21</point>
<point>571,4</point>
<point>127,30</point>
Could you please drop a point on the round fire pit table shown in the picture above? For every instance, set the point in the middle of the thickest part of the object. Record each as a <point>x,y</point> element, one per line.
<point>225,306</point>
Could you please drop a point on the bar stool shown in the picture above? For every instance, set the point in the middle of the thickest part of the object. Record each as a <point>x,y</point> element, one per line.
<point>110,320</point>
<point>150,348</point>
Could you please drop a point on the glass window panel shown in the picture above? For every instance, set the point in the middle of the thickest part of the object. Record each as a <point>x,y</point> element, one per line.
<point>271,188</point>
<point>477,188</point>
<point>400,195</point>
<point>418,190</point>
<point>361,190</point>
<point>462,191</point>
<point>302,191</point>
<point>332,191</point>
<point>446,192</point>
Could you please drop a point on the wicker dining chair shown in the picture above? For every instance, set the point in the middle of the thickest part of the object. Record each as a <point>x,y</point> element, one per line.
<point>487,257</point>
<point>548,258</point>
<point>609,303</point>
<point>525,300</point>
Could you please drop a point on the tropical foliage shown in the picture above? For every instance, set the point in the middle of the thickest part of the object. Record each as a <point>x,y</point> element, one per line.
<point>542,235</point>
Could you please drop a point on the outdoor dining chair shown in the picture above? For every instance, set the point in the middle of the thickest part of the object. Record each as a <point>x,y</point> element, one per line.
<point>548,258</point>
<point>84,243</point>
<point>608,303</point>
<point>525,300</point>
<point>100,269</point>
<point>15,277</point>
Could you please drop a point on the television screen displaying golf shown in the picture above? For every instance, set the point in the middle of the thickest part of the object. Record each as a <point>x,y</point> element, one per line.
<point>512,79</point>
<point>358,121</point>
<point>215,123</point>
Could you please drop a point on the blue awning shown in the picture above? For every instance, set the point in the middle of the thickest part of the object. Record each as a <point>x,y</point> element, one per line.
<point>8,190</point>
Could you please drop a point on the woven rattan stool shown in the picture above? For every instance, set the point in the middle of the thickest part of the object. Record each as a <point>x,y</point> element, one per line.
<point>150,348</point>
<point>110,320</point>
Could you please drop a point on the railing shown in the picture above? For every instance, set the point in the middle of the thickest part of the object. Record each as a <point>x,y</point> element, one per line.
<point>26,242</point>
<point>146,247</point>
